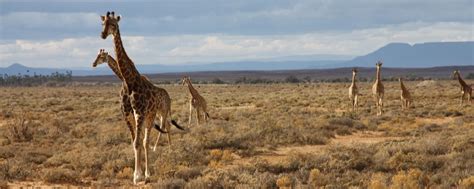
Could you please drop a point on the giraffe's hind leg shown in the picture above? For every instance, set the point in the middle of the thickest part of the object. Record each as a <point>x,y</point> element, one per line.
<point>149,124</point>
<point>159,133</point>
<point>198,115</point>
<point>376,104</point>
<point>167,125</point>
<point>205,114</point>
<point>469,97</point>
<point>381,105</point>
<point>356,102</point>
<point>168,134</point>
<point>352,104</point>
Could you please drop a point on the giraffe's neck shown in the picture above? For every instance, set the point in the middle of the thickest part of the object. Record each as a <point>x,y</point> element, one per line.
<point>402,86</point>
<point>126,67</point>
<point>114,67</point>
<point>461,81</point>
<point>353,79</point>
<point>192,90</point>
<point>378,74</point>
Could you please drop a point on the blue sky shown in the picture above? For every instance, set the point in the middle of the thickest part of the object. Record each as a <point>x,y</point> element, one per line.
<point>66,33</point>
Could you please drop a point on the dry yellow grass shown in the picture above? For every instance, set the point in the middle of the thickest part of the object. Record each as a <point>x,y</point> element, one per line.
<point>76,136</point>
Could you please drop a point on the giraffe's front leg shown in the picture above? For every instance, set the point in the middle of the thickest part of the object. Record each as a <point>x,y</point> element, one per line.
<point>140,119</point>
<point>352,103</point>
<point>127,114</point>
<point>190,113</point>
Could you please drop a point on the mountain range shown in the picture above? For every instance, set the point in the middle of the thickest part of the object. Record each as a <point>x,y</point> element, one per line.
<point>395,55</point>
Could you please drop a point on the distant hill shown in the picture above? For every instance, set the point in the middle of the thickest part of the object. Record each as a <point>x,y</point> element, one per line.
<point>395,55</point>
<point>315,74</point>
<point>17,68</point>
<point>403,55</point>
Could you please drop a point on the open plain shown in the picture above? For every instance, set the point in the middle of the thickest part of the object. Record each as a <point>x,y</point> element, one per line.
<point>259,136</point>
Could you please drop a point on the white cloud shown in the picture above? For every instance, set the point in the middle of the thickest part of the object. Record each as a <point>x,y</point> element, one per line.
<point>50,21</point>
<point>173,49</point>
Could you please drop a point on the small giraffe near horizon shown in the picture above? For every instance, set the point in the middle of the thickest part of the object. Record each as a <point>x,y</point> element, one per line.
<point>197,102</point>
<point>146,99</point>
<point>466,90</point>
<point>353,91</point>
<point>405,95</point>
<point>378,89</point>
<point>126,108</point>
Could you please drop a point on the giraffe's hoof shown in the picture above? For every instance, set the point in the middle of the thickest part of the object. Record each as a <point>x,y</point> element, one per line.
<point>137,178</point>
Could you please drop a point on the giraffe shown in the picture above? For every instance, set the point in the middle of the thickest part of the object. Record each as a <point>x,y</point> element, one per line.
<point>405,95</point>
<point>146,99</point>
<point>353,90</point>
<point>197,102</point>
<point>126,108</point>
<point>466,90</point>
<point>378,90</point>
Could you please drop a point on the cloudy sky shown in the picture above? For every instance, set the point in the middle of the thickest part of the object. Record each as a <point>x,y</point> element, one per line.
<point>66,33</point>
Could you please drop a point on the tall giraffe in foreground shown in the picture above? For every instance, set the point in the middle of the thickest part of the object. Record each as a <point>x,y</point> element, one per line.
<point>353,91</point>
<point>146,99</point>
<point>197,102</point>
<point>127,111</point>
<point>466,90</point>
<point>378,90</point>
<point>405,95</point>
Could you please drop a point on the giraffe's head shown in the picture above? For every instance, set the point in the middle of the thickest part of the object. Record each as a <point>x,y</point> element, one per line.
<point>102,57</point>
<point>109,24</point>
<point>185,80</point>
<point>354,71</point>
<point>456,74</point>
<point>379,64</point>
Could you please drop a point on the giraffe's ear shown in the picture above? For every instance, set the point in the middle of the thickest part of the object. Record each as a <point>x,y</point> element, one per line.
<point>102,18</point>
<point>118,18</point>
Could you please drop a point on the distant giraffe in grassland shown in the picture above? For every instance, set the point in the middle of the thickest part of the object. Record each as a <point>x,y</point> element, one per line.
<point>405,95</point>
<point>127,111</point>
<point>466,90</point>
<point>146,99</point>
<point>353,91</point>
<point>197,102</point>
<point>378,89</point>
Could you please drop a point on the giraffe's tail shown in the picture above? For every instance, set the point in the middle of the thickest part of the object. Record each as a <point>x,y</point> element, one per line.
<point>157,127</point>
<point>176,125</point>
<point>207,115</point>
